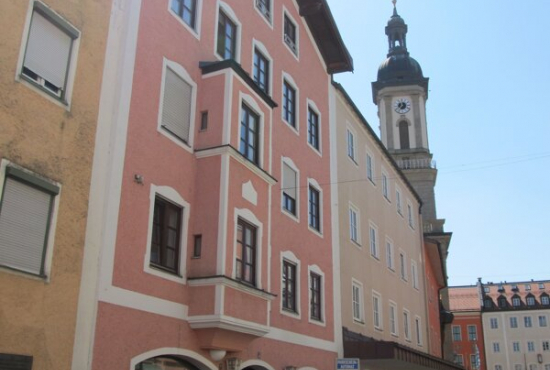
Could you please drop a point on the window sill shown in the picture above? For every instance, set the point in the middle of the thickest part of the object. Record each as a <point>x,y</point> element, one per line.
<point>163,273</point>
<point>24,274</point>
<point>315,231</point>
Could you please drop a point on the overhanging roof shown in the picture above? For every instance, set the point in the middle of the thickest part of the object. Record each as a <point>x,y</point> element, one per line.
<point>327,36</point>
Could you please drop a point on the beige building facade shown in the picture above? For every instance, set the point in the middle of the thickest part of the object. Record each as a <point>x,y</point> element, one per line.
<point>51,65</point>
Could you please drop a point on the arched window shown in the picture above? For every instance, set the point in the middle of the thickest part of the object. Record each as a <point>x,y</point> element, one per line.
<point>164,363</point>
<point>404,135</point>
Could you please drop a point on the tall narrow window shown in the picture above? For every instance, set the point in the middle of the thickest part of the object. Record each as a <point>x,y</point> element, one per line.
<point>389,256</point>
<point>414,273</point>
<point>289,189</point>
<point>351,145</point>
<point>542,321</point>
<point>261,71</point>
<point>289,286</point>
<point>515,347</point>
<point>165,243</point>
<point>472,333</point>
<point>376,312</point>
<point>398,202</point>
<point>48,51</point>
<point>393,319</point>
<point>246,253</point>
<point>250,136</point>
<point>289,104</point>
<point>313,128</point>
<point>186,10</point>
<point>26,210</point>
<point>410,216</point>
<point>457,333</point>
<point>227,37</point>
<point>315,296</point>
<point>385,186</point>
<point>513,322</point>
<point>264,6</point>
<point>474,362</point>
<point>418,329</point>
<point>176,106</point>
<point>370,169</point>
<point>528,321</point>
<point>314,208</point>
<point>290,36</point>
<point>402,267</point>
<point>406,325</point>
<point>197,246</point>
<point>404,135</point>
<point>353,233</point>
<point>357,302</point>
<point>373,234</point>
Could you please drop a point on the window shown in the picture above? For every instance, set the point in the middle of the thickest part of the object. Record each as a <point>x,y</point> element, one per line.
<point>314,208</point>
<point>353,230</point>
<point>545,345</point>
<point>414,273</point>
<point>530,301</point>
<point>541,286</point>
<point>393,319</point>
<point>515,346</point>
<point>26,213</point>
<point>527,321</point>
<point>246,253</point>
<point>370,169</point>
<point>250,135</point>
<point>516,301</point>
<point>376,311</point>
<point>398,202</point>
<point>290,186</point>
<point>313,128</point>
<point>227,37</point>
<point>290,34</point>
<point>533,367</point>
<point>389,255</point>
<point>487,289</point>
<point>518,367</point>
<point>357,301</point>
<point>502,302</point>
<point>547,367</point>
<point>204,120</point>
<point>457,333</point>
<point>166,236</point>
<point>472,333</point>
<point>315,296</point>
<point>404,135</point>
<point>186,10</point>
<point>496,347</point>
<point>385,186</point>
<point>527,287</point>
<point>261,71</point>
<point>474,362</point>
<point>488,303</point>
<point>289,286</point>
<point>418,328</point>
<point>542,321</point>
<point>197,246</point>
<point>530,346</point>
<point>494,323</point>
<point>351,145</point>
<point>289,104</point>
<point>402,266</point>
<point>177,102</point>
<point>513,322</point>
<point>459,360</point>
<point>406,325</point>
<point>410,216</point>
<point>498,367</point>
<point>544,300</point>
<point>49,54</point>
<point>264,6</point>
<point>373,234</point>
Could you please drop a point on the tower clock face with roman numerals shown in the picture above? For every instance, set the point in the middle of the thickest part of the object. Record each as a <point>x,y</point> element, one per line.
<point>402,105</point>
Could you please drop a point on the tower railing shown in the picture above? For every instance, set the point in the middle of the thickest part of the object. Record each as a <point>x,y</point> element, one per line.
<point>416,163</point>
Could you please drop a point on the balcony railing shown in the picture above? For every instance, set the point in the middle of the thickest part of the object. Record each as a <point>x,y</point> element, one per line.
<point>416,163</point>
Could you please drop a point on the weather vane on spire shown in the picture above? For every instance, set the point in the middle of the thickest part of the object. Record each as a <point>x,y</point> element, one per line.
<point>394,3</point>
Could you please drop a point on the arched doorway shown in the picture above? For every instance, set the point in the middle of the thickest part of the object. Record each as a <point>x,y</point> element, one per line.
<point>165,363</point>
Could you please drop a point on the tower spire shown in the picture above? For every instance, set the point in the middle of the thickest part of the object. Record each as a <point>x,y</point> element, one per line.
<point>394,7</point>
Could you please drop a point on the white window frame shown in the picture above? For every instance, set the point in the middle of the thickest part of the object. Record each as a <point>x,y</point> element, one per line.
<point>513,322</point>
<point>287,78</point>
<point>290,163</point>
<point>545,345</point>
<point>49,244</point>
<point>527,321</point>
<point>56,19</point>
<point>543,321</point>
<point>399,201</point>
<point>295,53</point>
<point>459,332</point>
<point>258,45</point>
<point>403,265</point>
<point>268,18</point>
<point>351,145</point>
<point>228,11</point>
<point>370,168</point>
<point>390,254</point>
<point>252,104</point>
<point>531,346</point>
<point>407,324</point>
<point>356,285</point>
<point>173,196</point>
<point>377,311</point>
<point>496,347</point>
<point>184,75</point>
<point>354,230</point>
<point>516,347</point>
<point>393,319</point>
<point>316,270</point>
<point>493,322</point>
<point>314,184</point>
<point>291,258</point>
<point>414,274</point>
<point>418,330</point>
<point>249,217</point>
<point>198,17</point>
<point>310,104</point>
<point>373,241</point>
<point>410,215</point>
<point>385,185</point>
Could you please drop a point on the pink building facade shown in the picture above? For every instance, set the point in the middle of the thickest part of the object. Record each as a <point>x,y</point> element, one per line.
<point>209,239</point>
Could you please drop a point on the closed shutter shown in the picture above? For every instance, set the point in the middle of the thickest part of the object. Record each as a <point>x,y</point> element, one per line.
<point>24,222</point>
<point>176,105</point>
<point>289,181</point>
<point>48,51</point>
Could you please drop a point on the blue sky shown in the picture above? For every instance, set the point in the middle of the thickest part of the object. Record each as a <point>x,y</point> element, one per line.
<point>488,121</point>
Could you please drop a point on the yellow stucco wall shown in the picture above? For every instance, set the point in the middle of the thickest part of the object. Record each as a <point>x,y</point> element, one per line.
<point>37,316</point>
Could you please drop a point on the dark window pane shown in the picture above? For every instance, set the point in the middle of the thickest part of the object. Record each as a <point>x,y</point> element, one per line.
<point>166,236</point>
<point>246,253</point>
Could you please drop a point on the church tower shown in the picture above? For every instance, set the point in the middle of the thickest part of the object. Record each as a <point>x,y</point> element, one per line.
<point>401,92</point>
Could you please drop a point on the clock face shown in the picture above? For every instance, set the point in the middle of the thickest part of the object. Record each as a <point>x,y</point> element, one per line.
<point>402,105</point>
